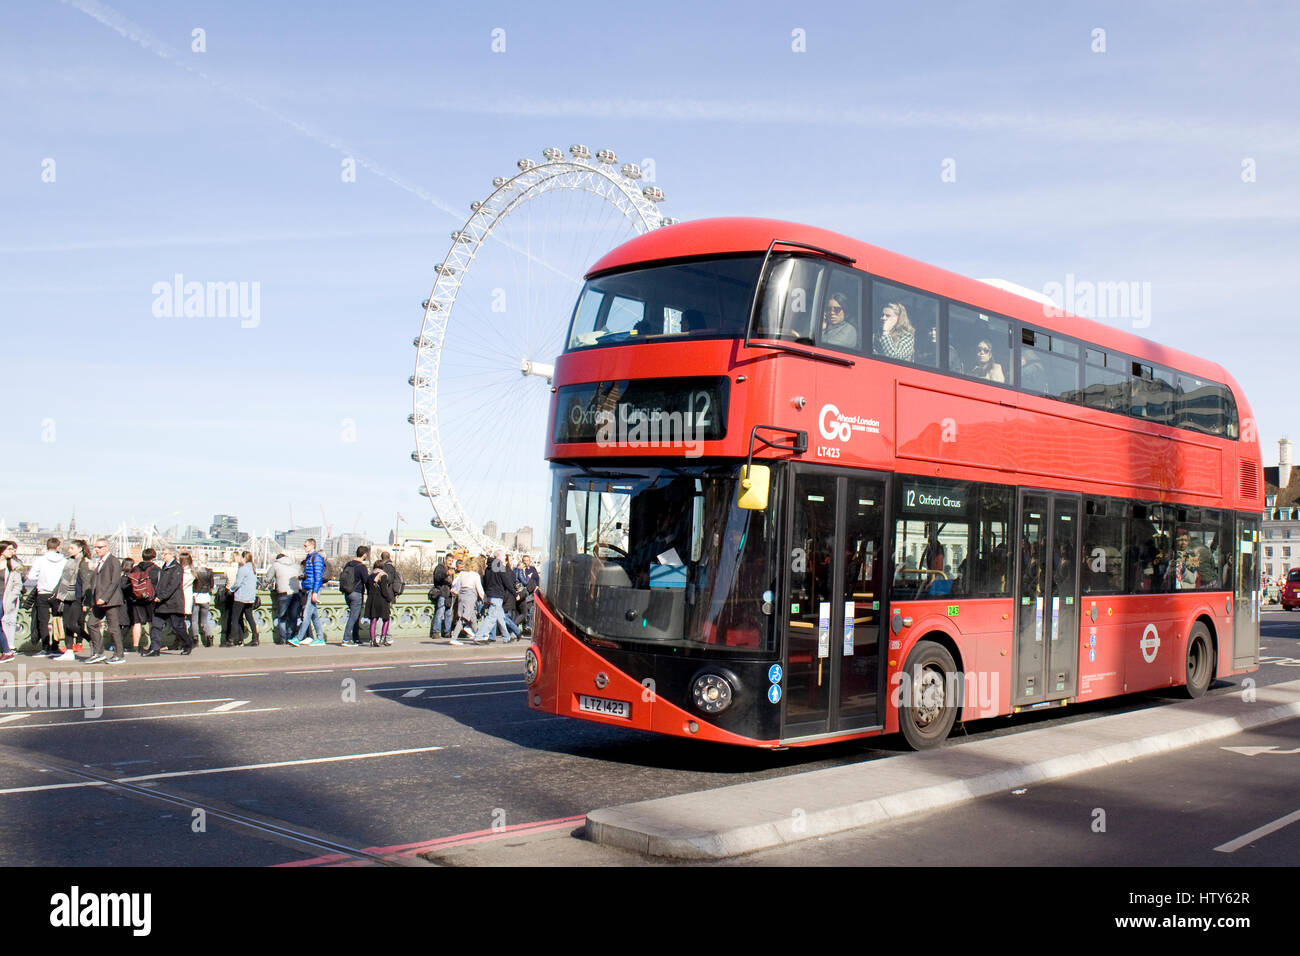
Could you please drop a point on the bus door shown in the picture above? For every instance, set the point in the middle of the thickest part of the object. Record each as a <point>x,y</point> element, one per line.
<point>833,603</point>
<point>1047,605</point>
<point>1245,616</point>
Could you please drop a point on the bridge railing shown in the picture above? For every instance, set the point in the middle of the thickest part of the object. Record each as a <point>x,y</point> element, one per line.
<point>412,614</point>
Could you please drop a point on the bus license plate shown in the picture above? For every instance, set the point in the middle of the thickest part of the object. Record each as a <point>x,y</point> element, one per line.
<point>601,705</point>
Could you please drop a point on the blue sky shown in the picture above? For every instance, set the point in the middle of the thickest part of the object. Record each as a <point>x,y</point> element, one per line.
<point>1123,165</point>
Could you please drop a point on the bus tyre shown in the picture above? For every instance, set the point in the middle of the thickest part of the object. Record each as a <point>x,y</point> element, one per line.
<point>929,688</point>
<point>1199,668</point>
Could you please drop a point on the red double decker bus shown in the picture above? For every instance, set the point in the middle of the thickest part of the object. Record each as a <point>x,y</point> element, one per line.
<point>807,490</point>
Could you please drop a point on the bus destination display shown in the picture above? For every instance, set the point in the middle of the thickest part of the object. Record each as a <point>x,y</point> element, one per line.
<point>644,413</point>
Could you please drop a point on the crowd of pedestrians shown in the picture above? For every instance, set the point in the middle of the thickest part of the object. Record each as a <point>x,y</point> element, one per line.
<point>482,597</point>
<point>81,594</point>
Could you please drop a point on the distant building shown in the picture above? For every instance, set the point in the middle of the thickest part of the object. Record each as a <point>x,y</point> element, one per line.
<point>226,527</point>
<point>490,529</point>
<point>296,540</point>
<point>1279,531</point>
<point>345,545</point>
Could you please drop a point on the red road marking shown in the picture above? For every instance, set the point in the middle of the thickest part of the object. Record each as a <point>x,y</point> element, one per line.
<point>442,843</point>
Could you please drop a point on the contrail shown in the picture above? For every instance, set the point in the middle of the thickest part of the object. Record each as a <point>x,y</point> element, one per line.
<point>121,25</point>
<point>125,28</point>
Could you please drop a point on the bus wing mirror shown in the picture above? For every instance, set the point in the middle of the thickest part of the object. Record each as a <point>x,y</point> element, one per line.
<point>754,483</point>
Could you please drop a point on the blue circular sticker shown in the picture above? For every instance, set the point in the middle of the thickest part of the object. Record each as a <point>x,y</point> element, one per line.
<point>774,693</point>
<point>774,673</point>
<point>1092,655</point>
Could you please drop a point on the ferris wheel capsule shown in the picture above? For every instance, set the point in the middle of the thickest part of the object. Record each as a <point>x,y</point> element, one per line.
<point>669,221</point>
<point>653,193</point>
<point>498,181</point>
<point>552,154</point>
<point>631,170</point>
<point>607,157</point>
<point>461,236</point>
<point>525,164</point>
<point>417,418</point>
<point>578,151</point>
<point>476,205</point>
<point>422,342</point>
<point>444,270</point>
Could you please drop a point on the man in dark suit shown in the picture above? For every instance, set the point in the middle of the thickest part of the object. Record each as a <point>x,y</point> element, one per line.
<point>169,605</point>
<point>107,615</point>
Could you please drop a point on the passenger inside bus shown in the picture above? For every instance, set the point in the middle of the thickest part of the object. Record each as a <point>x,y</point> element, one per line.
<point>896,338</point>
<point>984,365</point>
<point>839,327</point>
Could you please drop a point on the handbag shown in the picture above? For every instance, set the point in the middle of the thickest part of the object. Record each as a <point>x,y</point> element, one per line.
<point>29,600</point>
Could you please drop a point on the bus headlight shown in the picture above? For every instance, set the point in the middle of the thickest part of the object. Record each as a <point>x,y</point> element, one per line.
<point>532,666</point>
<point>712,694</point>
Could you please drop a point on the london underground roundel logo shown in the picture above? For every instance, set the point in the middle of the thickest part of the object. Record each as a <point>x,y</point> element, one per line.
<point>1150,642</point>
<point>830,425</point>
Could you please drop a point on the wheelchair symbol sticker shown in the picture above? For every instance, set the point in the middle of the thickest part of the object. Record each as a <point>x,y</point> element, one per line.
<point>774,673</point>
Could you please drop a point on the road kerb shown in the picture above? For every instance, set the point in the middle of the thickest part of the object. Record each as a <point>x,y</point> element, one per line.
<point>745,818</point>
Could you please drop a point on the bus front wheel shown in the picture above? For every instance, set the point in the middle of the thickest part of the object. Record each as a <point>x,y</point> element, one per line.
<point>1199,668</point>
<point>931,692</point>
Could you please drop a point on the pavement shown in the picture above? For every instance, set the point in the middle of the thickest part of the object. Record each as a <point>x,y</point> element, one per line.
<point>268,655</point>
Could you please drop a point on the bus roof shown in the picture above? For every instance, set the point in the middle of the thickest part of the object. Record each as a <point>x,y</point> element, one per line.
<point>703,237</point>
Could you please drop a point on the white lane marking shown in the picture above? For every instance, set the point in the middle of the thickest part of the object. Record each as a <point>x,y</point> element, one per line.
<point>152,703</point>
<point>8,717</point>
<point>125,720</point>
<point>328,670</point>
<point>414,692</point>
<point>381,667</point>
<point>1256,751</point>
<point>1232,846</point>
<point>491,683</point>
<point>495,660</point>
<point>483,693</point>
<point>262,674</point>
<point>211,770</point>
<point>183,677</point>
<point>227,707</point>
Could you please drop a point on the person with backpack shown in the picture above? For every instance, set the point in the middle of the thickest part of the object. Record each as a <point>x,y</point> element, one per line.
<point>312,581</point>
<point>440,597</point>
<point>379,603</point>
<point>44,574</point>
<point>499,589</point>
<point>354,580</point>
<point>143,582</point>
<point>280,578</point>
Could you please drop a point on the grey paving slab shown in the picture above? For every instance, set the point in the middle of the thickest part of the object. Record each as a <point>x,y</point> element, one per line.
<point>745,818</point>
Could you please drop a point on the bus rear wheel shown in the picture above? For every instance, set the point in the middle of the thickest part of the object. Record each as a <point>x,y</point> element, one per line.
<point>1199,668</point>
<point>931,695</point>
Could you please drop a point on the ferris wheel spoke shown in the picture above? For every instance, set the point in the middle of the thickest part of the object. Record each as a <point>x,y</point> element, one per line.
<point>502,298</point>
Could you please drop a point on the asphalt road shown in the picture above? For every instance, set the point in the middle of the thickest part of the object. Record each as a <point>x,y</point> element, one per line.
<point>361,760</point>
